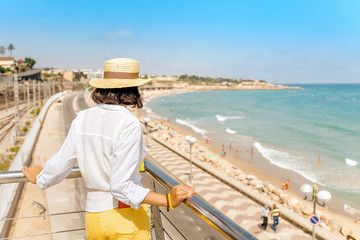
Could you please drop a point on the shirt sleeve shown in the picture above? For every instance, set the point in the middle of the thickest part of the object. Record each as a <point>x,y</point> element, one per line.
<point>129,153</point>
<point>58,167</point>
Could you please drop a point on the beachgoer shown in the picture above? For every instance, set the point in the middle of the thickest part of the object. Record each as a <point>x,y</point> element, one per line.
<point>237,152</point>
<point>286,185</point>
<point>319,160</point>
<point>106,142</point>
<point>230,148</point>
<point>275,214</point>
<point>265,215</point>
<point>223,151</point>
<point>252,152</point>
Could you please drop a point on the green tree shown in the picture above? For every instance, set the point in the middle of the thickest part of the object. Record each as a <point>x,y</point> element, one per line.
<point>30,62</point>
<point>10,48</point>
<point>2,70</point>
<point>2,50</point>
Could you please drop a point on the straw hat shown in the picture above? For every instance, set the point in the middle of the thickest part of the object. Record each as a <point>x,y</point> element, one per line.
<point>119,73</point>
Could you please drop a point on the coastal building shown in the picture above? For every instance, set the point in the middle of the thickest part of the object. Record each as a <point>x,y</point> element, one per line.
<point>53,71</point>
<point>91,74</point>
<point>71,75</point>
<point>7,62</point>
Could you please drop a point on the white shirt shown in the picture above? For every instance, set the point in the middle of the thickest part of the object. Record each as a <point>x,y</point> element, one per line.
<point>107,142</point>
<point>265,212</point>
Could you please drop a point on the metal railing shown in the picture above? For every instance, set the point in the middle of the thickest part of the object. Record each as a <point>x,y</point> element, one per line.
<point>218,221</point>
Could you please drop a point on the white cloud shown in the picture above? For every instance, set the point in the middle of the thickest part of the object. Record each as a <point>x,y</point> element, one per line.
<point>122,33</point>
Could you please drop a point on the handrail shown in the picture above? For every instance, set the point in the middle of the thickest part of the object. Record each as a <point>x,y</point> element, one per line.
<point>209,214</point>
<point>18,176</point>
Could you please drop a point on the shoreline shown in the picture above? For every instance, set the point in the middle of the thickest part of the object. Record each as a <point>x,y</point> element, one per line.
<point>267,171</point>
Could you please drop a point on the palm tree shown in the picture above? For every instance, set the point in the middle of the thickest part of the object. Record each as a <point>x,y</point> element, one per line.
<point>2,50</point>
<point>10,48</point>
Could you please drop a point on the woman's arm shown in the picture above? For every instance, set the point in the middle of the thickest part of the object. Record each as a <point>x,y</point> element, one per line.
<point>57,168</point>
<point>178,194</point>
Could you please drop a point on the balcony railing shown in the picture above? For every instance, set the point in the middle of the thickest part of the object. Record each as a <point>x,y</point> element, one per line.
<point>215,219</point>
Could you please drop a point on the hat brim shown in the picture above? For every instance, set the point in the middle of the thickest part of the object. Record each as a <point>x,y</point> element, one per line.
<point>117,83</point>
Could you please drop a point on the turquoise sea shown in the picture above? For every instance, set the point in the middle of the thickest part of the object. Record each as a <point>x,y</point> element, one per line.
<point>290,128</point>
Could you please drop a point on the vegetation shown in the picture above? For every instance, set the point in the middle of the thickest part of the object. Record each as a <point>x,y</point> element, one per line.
<point>83,75</point>
<point>15,149</point>
<point>196,80</point>
<point>145,76</point>
<point>35,111</point>
<point>25,129</point>
<point>30,62</point>
<point>4,70</point>
<point>2,50</point>
<point>47,75</point>
<point>4,166</point>
<point>27,123</point>
<point>11,47</point>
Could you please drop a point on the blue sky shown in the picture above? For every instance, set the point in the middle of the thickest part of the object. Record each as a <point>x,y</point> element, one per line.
<point>278,41</point>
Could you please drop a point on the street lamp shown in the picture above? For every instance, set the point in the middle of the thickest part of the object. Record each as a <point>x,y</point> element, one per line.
<point>319,198</point>
<point>147,120</point>
<point>191,141</point>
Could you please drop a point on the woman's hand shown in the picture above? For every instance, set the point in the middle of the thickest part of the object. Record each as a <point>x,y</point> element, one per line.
<point>31,172</point>
<point>179,193</point>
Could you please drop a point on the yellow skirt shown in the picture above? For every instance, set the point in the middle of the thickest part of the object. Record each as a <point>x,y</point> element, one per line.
<point>119,224</point>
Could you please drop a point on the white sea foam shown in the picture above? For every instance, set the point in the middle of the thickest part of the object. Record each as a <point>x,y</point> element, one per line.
<point>222,118</point>
<point>187,123</point>
<point>287,161</point>
<point>350,162</point>
<point>351,210</point>
<point>228,130</point>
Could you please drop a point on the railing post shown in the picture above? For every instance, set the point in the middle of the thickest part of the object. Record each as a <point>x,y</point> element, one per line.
<point>156,223</point>
<point>34,93</point>
<point>39,93</point>
<point>27,97</point>
<point>16,102</point>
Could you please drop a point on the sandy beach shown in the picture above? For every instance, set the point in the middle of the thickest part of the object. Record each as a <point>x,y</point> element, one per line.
<point>247,164</point>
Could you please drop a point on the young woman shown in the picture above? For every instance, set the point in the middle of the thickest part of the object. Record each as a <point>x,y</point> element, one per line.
<point>106,141</point>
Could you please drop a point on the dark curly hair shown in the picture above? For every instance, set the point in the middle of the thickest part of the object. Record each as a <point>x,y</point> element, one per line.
<point>124,96</point>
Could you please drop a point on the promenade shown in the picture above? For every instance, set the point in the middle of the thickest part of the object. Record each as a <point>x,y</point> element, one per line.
<point>232,203</point>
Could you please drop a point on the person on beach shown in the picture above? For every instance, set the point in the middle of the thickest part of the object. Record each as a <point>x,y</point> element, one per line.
<point>265,212</point>
<point>237,152</point>
<point>223,153</point>
<point>252,152</point>
<point>275,214</point>
<point>230,148</point>
<point>286,185</point>
<point>106,140</point>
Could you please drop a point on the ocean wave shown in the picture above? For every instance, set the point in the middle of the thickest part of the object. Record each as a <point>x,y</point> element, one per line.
<point>196,129</point>
<point>222,118</point>
<point>351,210</point>
<point>285,160</point>
<point>350,162</point>
<point>228,130</point>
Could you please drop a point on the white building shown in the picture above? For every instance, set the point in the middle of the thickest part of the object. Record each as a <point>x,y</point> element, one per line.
<point>7,62</point>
